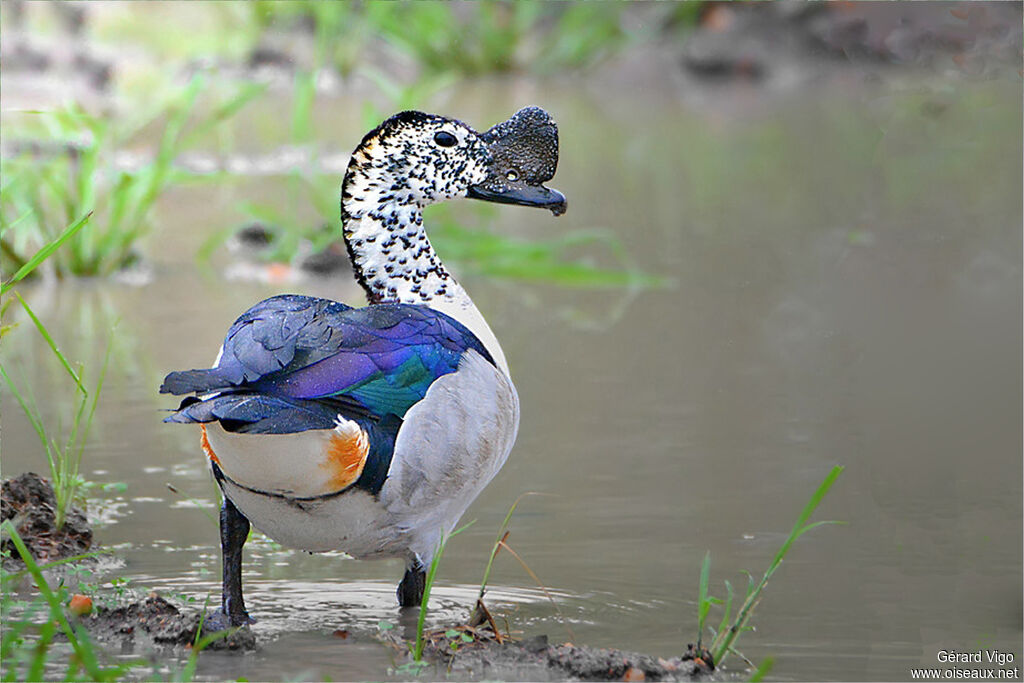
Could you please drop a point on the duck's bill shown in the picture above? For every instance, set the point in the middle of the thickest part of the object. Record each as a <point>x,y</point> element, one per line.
<point>523,156</point>
<point>522,195</point>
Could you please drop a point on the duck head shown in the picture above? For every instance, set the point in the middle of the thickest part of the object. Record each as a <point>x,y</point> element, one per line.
<point>418,158</point>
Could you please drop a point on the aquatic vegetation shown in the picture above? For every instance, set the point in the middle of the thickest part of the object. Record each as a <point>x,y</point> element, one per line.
<point>465,39</point>
<point>729,629</point>
<point>572,259</point>
<point>551,260</point>
<point>493,37</point>
<point>63,455</point>
<point>479,611</point>
<point>68,169</point>
<point>428,584</point>
<point>40,256</point>
<point>474,39</point>
<point>480,614</point>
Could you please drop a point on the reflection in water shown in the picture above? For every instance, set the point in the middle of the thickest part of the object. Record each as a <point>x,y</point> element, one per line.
<point>845,290</point>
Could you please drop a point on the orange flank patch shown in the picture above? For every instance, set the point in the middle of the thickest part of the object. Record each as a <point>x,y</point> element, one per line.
<point>205,443</point>
<point>345,456</point>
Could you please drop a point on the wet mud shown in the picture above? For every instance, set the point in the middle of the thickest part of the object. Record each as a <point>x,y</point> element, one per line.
<point>155,624</point>
<point>477,654</point>
<point>568,661</point>
<point>29,502</point>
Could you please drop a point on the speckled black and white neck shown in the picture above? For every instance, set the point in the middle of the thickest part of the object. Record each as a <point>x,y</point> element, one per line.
<point>396,170</point>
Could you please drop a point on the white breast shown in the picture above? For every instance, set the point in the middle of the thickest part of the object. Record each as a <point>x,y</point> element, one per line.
<point>452,444</point>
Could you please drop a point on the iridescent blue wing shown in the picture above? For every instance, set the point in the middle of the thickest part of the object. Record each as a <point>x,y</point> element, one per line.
<point>292,363</point>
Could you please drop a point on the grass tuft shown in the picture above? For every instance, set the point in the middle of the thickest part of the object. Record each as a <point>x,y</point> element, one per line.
<point>70,169</point>
<point>728,633</point>
<point>63,455</point>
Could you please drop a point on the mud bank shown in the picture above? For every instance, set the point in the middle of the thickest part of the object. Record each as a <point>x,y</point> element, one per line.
<point>155,624</point>
<point>28,501</point>
<point>485,657</point>
<point>535,659</point>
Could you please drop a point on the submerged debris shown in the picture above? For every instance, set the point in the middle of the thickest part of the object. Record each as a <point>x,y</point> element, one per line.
<point>29,502</point>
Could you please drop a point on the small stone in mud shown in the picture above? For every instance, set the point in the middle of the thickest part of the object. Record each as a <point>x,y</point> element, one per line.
<point>28,501</point>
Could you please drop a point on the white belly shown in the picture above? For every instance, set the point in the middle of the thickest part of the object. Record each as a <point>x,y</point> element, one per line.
<point>450,446</point>
<point>354,522</point>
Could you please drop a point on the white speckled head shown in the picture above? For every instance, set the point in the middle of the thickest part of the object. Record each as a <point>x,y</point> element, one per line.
<point>415,159</point>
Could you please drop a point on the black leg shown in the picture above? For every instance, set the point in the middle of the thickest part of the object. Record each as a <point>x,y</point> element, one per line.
<point>234,529</point>
<point>410,590</point>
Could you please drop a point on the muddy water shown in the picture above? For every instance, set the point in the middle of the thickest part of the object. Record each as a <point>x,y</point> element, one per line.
<point>844,288</point>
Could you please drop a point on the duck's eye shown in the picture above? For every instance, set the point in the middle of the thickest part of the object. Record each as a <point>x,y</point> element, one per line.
<point>445,139</point>
<point>512,176</point>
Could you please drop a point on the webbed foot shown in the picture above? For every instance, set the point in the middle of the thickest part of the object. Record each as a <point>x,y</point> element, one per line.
<point>218,620</point>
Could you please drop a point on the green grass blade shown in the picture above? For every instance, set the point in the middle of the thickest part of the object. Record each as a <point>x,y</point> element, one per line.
<point>95,399</point>
<point>31,410</point>
<point>726,609</point>
<point>763,670</point>
<point>45,252</point>
<point>84,653</point>
<point>10,642</point>
<point>417,655</point>
<point>53,345</point>
<point>38,664</point>
<point>703,604</point>
<point>799,527</point>
<point>725,639</point>
<point>497,541</point>
<point>32,415</point>
<point>427,585</point>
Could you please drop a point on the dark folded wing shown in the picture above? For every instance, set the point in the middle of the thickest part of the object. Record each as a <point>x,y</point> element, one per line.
<point>312,356</point>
